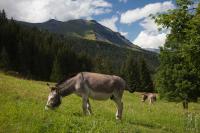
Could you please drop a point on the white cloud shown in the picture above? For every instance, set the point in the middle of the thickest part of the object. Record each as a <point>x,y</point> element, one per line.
<point>149,37</point>
<point>101,3</point>
<point>110,23</point>
<point>149,25</point>
<point>134,15</point>
<point>42,10</point>
<point>150,40</point>
<point>123,33</point>
<point>124,1</point>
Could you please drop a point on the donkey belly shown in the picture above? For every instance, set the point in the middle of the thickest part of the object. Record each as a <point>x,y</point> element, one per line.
<point>99,95</point>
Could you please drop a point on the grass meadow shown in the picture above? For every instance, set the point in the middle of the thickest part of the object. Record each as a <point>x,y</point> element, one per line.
<point>22,111</point>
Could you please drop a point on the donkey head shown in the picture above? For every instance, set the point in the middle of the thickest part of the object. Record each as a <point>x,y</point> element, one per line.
<point>54,98</point>
<point>144,97</point>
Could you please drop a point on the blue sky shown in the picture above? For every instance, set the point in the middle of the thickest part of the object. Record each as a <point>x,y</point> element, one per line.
<point>129,17</point>
<point>132,29</point>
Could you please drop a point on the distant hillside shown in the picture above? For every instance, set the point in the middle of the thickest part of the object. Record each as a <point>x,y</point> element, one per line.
<point>153,50</point>
<point>87,29</point>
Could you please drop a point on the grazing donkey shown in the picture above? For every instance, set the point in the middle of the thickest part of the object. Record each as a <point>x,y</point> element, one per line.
<point>90,85</point>
<point>150,96</point>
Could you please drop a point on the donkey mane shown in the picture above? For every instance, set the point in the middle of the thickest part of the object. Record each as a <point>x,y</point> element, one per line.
<point>66,78</point>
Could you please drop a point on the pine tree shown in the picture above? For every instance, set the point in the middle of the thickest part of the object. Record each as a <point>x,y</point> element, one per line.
<point>130,72</point>
<point>4,59</point>
<point>3,17</point>
<point>145,78</point>
<point>56,73</point>
<point>85,63</point>
<point>103,65</point>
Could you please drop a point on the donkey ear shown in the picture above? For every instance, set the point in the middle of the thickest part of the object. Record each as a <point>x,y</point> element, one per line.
<point>53,88</point>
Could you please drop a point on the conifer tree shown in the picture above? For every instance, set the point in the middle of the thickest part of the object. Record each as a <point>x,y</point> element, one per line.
<point>56,73</point>
<point>145,78</point>
<point>130,72</point>
<point>4,59</point>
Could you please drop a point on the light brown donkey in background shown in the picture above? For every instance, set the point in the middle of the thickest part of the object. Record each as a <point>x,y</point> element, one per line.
<point>150,96</point>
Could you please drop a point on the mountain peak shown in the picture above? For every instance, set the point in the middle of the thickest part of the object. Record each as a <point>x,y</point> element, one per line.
<point>87,29</point>
<point>53,21</point>
<point>94,21</point>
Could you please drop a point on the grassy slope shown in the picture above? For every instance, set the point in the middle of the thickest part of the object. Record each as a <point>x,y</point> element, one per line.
<point>22,110</point>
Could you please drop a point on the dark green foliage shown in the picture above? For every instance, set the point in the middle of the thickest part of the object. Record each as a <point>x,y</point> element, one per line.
<point>130,72</point>
<point>178,77</point>
<point>67,62</point>
<point>137,74</point>
<point>38,54</point>
<point>103,65</point>
<point>85,62</point>
<point>146,83</point>
<point>4,59</point>
<point>3,18</point>
<point>56,73</point>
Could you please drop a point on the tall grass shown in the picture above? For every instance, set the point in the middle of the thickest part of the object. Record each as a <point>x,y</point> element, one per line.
<point>22,111</point>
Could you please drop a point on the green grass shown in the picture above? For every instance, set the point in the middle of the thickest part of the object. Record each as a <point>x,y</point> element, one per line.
<point>22,110</point>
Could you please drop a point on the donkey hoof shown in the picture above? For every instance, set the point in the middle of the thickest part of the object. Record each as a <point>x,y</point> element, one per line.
<point>118,118</point>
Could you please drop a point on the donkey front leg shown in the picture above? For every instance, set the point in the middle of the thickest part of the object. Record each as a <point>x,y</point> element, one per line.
<point>84,105</point>
<point>119,105</point>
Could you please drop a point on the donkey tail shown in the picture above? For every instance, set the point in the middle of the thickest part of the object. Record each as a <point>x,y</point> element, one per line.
<point>129,89</point>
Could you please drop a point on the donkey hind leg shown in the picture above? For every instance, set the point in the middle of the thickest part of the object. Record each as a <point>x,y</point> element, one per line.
<point>89,107</point>
<point>150,100</point>
<point>119,105</point>
<point>86,106</point>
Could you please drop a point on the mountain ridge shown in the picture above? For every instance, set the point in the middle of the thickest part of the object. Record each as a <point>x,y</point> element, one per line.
<point>155,50</point>
<point>87,29</point>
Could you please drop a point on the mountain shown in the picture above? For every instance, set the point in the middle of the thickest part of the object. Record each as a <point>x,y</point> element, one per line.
<point>87,29</point>
<point>90,37</point>
<point>153,50</point>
